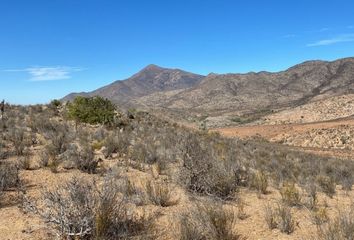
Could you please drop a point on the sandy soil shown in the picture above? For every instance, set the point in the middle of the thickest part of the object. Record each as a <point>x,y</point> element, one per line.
<point>14,224</point>
<point>301,135</point>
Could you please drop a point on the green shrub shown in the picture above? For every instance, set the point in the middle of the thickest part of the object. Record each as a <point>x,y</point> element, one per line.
<point>55,103</point>
<point>54,106</point>
<point>91,110</point>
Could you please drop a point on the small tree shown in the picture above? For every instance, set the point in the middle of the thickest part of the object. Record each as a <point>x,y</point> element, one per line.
<point>91,110</point>
<point>54,105</point>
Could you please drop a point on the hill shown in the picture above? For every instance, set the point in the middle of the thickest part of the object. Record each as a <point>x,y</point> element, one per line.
<point>224,97</point>
<point>149,80</point>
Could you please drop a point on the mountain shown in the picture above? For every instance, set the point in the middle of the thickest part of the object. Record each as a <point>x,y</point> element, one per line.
<point>299,84</point>
<point>148,81</point>
<point>215,95</point>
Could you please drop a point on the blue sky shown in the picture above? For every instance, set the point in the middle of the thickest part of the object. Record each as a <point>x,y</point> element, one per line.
<point>51,48</point>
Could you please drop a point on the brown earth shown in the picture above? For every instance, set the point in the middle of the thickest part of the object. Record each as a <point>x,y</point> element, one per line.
<point>16,225</point>
<point>328,137</point>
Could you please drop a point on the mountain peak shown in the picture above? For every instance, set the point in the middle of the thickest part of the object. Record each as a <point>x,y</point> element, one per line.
<point>152,67</point>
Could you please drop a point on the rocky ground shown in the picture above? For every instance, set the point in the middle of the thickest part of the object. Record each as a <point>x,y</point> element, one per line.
<point>324,110</point>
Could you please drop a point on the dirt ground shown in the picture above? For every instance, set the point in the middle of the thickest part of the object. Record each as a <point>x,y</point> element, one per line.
<point>17,225</point>
<point>282,132</point>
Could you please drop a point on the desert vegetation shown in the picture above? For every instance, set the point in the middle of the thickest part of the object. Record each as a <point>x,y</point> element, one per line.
<point>88,170</point>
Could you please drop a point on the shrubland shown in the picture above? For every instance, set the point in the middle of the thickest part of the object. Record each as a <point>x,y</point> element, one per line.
<point>133,165</point>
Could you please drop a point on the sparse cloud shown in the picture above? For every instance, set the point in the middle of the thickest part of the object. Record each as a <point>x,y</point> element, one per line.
<point>334,40</point>
<point>300,34</point>
<point>48,73</point>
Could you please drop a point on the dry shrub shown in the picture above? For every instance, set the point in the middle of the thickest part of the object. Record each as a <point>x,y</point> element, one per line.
<point>320,216</point>
<point>340,228</point>
<point>311,200</point>
<point>327,184</point>
<point>290,194</point>
<point>209,221</point>
<point>59,142</point>
<point>80,209</point>
<point>53,162</point>
<point>259,182</point>
<point>331,232</point>
<point>286,222</point>
<point>116,143</point>
<point>270,216</point>
<point>9,176</point>
<point>24,162</point>
<point>70,208</point>
<point>114,219</point>
<point>160,194</point>
<point>17,137</point>
<point>205,173</point>
<point>85,160</point>
<point>44,158</point>
<point>280,217</point>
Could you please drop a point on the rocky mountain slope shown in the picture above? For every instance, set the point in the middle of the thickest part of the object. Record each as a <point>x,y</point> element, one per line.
<point>148,81</point>
<point>231,95</point>
<point>252,91</point>
<point>317,111</point>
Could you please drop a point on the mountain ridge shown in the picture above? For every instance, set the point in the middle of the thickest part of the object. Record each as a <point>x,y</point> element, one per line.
<point>167,89</point>
<point>150,79</point>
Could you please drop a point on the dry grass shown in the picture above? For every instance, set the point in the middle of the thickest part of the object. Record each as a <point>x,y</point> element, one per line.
<point>197,171</point>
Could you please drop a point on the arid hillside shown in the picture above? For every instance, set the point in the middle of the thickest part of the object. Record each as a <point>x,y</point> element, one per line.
<point>222,98</point>
<point>87,171</point>
<point>317,111</point>
<point>149,80</point>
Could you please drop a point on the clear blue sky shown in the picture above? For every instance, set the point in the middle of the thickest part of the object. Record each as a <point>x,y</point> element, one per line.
<point>49,48</point>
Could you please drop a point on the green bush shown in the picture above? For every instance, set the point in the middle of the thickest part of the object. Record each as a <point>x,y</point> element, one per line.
<point>91,110</point>
<point>55,103</point>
